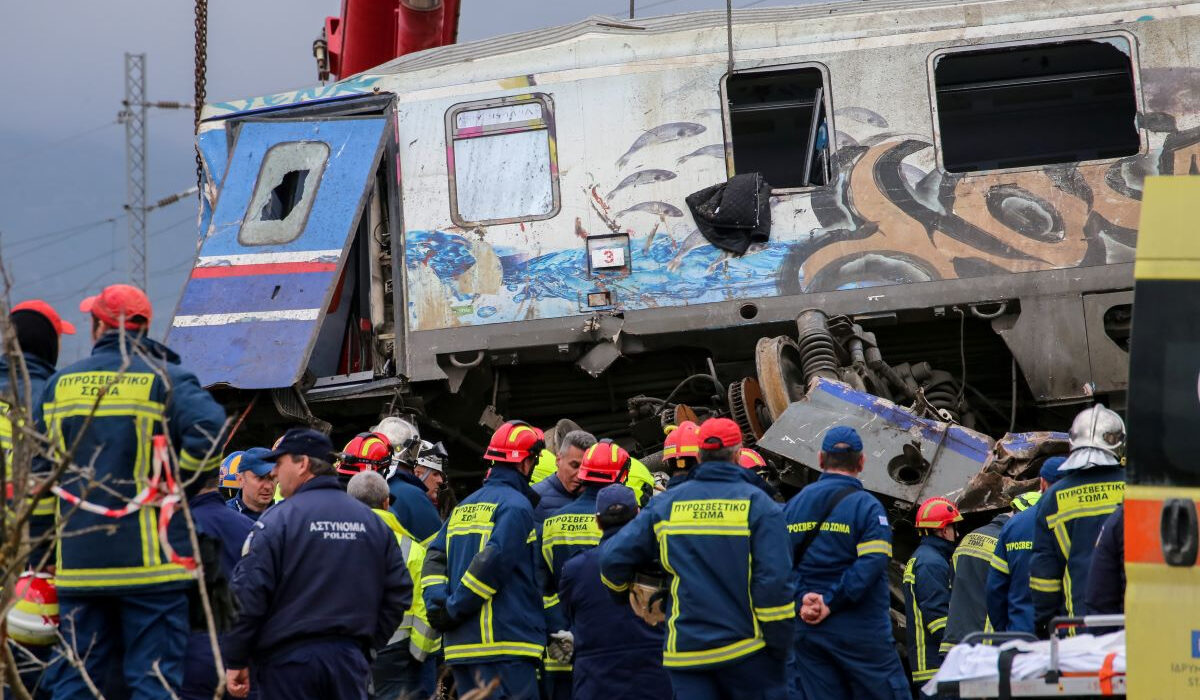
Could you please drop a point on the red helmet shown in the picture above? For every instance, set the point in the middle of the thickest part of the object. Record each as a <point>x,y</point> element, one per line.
<point>683,442</point>
<point>515,442</point>
<point>750,459</point>
<point>365,451</point>
<point>937,513</point>
<point>34,618</point>
<point>604,463</point>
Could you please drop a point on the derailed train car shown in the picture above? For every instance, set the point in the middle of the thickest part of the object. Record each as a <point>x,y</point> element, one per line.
<point>499,228</point>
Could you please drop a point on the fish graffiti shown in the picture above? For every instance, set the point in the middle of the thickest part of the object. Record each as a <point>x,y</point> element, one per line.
<point>642,177</point>
<point>663,133</point>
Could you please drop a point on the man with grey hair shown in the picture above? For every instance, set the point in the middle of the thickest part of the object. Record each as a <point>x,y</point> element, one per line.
<point>561,487</point>
<point>370,489</point>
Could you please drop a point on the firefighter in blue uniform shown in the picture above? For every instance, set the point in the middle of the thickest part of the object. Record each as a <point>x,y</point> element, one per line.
<point>1072,513</point>
<point>1009,600</point>
<point>843,647</point>
<point>725,545</point>
<point>123,601</point>
<point>972,560</point>
<point>568,531</point>
<point>298,636</point>
<point>617,655</point>
<point>480,575</point>
<point>927,580</point>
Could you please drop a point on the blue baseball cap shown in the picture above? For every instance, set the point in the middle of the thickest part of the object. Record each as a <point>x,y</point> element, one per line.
<point>301,441</point>
<point>1050,467</point>
<point>254,460</point>
<point>615,497</point>
<point>841,439</point>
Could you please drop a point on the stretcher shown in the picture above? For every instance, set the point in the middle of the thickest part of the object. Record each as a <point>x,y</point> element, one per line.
<point>1002,665</point>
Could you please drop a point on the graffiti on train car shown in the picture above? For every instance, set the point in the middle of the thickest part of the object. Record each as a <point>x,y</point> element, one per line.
<point>891,217</point>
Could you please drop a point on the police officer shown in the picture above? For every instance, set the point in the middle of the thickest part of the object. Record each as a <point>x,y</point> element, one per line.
<point>1070,516</point>
<point>406,667</point>
<point>725,544</point>
<point>617,655</point>
<point>480,575</point>
<point>122,596</point>
<point>842,544</point>
<point>300,636</point>
<point>1009,604</point>
<point>257,492</point>
<point>927,579</point>
<point>561,487</point>
<point>417,515</point>
<point>570,530</point>
<point>972,560</point>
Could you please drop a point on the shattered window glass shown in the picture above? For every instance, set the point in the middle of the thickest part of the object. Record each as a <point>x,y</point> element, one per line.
<point>284,194</point>
<point>502,163</point>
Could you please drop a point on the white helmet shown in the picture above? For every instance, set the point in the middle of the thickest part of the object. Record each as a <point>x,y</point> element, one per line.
<point>1099,428</point>
<point>403,435</point>
<point>433,456</point>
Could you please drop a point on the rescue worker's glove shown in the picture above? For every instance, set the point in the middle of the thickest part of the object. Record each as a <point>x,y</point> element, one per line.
<point>440,619</point>
<point>561,647</point>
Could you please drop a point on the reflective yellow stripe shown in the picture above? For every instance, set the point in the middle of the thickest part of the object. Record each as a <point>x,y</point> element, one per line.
<point>874,547</point>
<point>469,651</point>
<point>924,675</point>
<point>1045,585</point>
<point>555,667</point>
<point>944,647</point>
<point>935,625</point>
<point>999,564</point>
<point>707,657</point>
<point>688,528</point>
<point>477,587</point>
<point>549,601</point>
<point>612,586</point>
<point>189,463</point>
<point>117,576</point>
<point>476,529</point>
<point>434,580</point>
<point>779,612</point>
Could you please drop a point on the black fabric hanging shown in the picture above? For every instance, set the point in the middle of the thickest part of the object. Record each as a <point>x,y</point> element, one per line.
<point>733,214</point>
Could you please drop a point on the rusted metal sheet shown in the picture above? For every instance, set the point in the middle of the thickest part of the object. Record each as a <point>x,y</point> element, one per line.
<point>1011,468</point>
<point>908,457</point>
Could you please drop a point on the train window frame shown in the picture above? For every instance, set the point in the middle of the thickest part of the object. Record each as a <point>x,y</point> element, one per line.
<point>827,103</point>
<point>545,123</point>
<point>1135,68</point>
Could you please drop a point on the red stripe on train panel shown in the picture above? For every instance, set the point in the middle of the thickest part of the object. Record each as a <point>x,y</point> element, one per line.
<point>262,269</point>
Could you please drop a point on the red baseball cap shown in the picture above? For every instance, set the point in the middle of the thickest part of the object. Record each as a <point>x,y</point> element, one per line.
<point>716,433</point>
<point>118,301</point>
<point>38,306</point>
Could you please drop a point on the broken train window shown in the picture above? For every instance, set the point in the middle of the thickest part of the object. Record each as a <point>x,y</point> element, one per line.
<point>284,193</point>
<point>778,125</point>
<point>502,162</point>
<point>1036,104</point>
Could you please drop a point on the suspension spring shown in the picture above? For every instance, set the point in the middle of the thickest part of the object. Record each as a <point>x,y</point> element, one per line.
<point>818,353</point>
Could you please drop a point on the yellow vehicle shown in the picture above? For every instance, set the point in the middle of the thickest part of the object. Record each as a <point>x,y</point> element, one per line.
<point>1162,598</point>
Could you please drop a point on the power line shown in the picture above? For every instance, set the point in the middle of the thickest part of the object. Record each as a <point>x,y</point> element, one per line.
<point>55,144</point>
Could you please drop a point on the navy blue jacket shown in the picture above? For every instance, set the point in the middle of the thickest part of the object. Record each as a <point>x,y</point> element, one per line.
<point>481,568</point>
<point>216,520</point>
<point>1009,602</point>
<point>725,544</point>
<point>412,507</point>
<point>236,504</point>
<point>1069,518</point>
<point>562,535</point>
<point>847,561</point>
<point>972,561</point>
<point>1106,580</point>
<point>552,496</point>
<point>151,396</point>
<point>617,655</point>
<point>319,564</point>
<point>928,577</point>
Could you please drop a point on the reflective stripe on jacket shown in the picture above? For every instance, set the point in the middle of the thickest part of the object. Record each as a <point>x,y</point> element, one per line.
<point>972,561</point>
<point>1010,604</point>
<point>108,407</point>
<point>570,530</point>
<point>724,543</point>
<point>39,371</point>
<point>481,568</point>
<point>1069,518</point>
<point>928,577</point>
<point>423,640</point>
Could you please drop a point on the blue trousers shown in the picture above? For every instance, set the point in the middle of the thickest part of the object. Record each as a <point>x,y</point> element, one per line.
<point>518,679</point>
<point>330,670</point>
<point>556,685</point>
<point>38,681</point>
<point>129,633</point>
<point>755,677</point>
<point>835,663</point>
<point>396,674</point>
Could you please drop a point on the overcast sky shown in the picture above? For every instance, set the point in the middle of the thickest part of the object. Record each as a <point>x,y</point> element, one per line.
<point>62,160</point>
